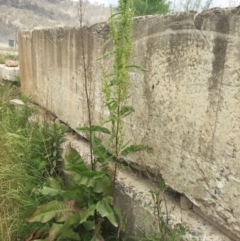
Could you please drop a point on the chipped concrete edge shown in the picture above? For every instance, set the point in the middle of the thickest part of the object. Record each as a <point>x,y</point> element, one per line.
<point>133,197</point>
<point>134,200</point>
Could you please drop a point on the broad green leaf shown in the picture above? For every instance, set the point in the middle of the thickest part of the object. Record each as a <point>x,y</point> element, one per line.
<point>84,178</point>
<point>103,185</point>
<point>105,210</point>
<point>69,234</point>
<point>75,194</point>
<point>54,210</point>
<point>99,181</point>
<point>49,191</point>
<point>72,157</point>
<point>135,148</point>
<point>72,220</point>
<point>34,235</point>
<point>54,231</point>
<point>53,183</point>
<point>89,225</point>
<point>126,110</point>
<point>99,151</point>
<point>97,237</point>
<point>120,217</point>
<point>94,128</point>
<point>89,212</point>
<point>65,194</point>
<point>65,230</point>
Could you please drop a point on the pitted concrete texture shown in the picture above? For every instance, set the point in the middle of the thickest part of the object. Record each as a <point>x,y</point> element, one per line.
<point>133,197</point>
<point>186,105</point>
<point>8,73</point>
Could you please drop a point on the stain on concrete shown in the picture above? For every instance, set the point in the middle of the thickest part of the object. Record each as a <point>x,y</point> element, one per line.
<point>185,104</point>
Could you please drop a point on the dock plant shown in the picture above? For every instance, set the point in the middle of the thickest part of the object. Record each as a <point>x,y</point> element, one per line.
<point>83,208</point>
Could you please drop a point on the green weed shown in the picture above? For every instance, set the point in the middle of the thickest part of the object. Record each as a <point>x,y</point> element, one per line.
<point>5,56</point>
<point>29,152</point>
<point>44,197</point>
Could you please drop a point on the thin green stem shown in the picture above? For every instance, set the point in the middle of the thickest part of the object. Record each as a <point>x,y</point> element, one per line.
<point>85,69</point>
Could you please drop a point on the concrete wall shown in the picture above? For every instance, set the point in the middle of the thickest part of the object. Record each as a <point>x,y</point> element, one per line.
<point>187,105</point>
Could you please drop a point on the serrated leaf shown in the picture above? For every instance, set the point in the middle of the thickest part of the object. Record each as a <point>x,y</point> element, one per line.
<point>135,148</point>
<point>112,105</point>
<point>54,210</point>
<point>114,82</point>
<point>126,110</point>
<point>94,128</point>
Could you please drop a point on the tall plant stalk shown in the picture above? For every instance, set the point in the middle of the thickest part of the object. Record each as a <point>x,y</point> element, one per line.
<point>88,201</point>
<point>85,67</point>
<point>116,89</point>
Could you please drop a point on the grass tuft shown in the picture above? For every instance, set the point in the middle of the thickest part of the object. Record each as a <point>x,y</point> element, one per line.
<point>28,155</point>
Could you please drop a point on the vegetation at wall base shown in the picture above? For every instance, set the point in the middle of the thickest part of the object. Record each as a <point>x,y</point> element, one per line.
<point>47,197</point>
<point>85,206</point>
<point>27,158</point>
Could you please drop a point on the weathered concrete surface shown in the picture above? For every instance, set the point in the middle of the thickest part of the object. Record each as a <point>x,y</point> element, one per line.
<point>133,198</point>
<point>187,105</point>
<point>9,73</point>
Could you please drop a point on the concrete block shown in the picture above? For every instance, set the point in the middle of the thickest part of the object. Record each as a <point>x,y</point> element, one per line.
<point>9,73</point>
<point>186,105</point>
<point>132,196</point>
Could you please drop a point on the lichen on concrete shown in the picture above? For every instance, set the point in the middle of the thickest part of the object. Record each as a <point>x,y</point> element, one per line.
<point>186,105</point>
